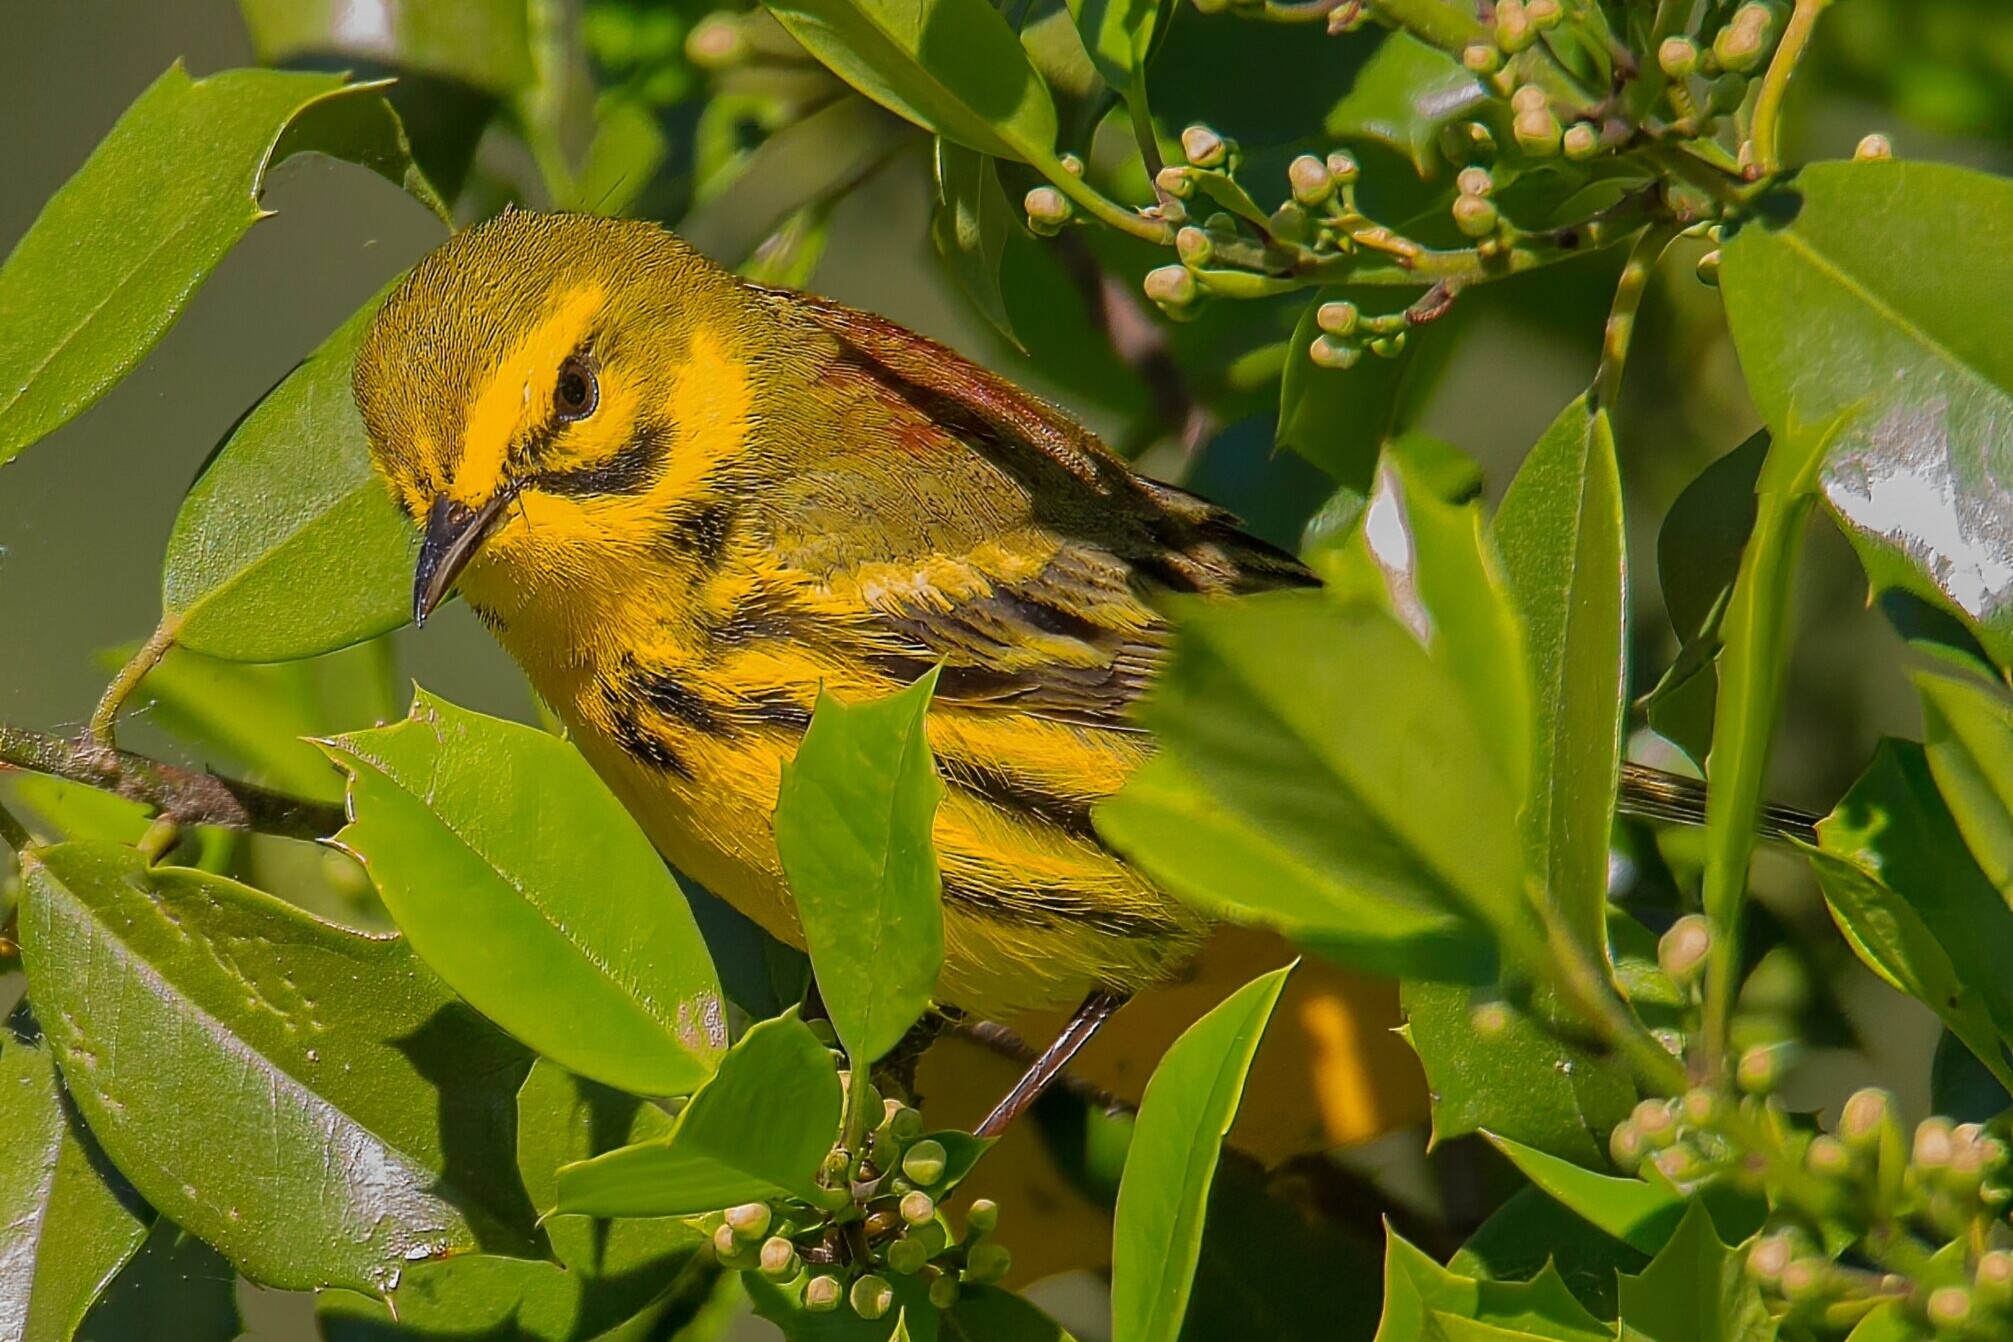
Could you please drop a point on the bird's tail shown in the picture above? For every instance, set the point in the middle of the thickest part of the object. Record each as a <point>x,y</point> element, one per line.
<point>1656,795</point>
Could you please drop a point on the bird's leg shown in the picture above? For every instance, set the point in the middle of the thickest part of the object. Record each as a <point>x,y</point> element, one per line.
<point>1096,1009</point>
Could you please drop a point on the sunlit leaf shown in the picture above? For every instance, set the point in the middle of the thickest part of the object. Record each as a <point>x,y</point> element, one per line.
<point>1639,1214</point>
<point>760,1128</point>
<point>190,1013</point>
<point>67,1222</point>
<point>1695,1290</point>
<point>1968,733</point>
<point>521,880</point>
<point>1403,98</point>
<point>117,253</point>
<point>1846,301</point>
<point>1189,1106</point>
<point>289,544</point>
<point>479,42</point>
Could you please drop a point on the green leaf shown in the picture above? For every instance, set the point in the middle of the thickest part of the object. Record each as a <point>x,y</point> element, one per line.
<point>1916,908</point>
<point>1639,1214</point>
<point>176,1289</point>
<point>853,818</point>
<point>953,67</point>
<point>989,1314</point>
<point>521,880</point>
<point>1324,725</point>
<point>483,43</point>
<point>1339,418</point>
<point>760,1128</point>
<point>1698,557</point>
<point>1118,34</point>
<point>809,161</point>
<point>1261,867</point>
<point>1968,733</point>
<point>1491,1065</point>
<point>1404,97</point>
<point>611,1269</point>
<point>1961,1087</point>
<point>1416,1288</point>
<point>1531,1231</point>
<point>1560,531</point>
<point>1424,1300</point>
<point>970,226</point>
<point>1188,1108</point>
<point>1695,1290</point>
<point>119,250</point>
<point>67,1221</point>
<point>289,545</point>
<point>190,1014</point>
<point>1845,301</point>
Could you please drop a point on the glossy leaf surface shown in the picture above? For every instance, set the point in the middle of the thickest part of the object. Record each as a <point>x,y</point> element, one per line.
<point>1846,300</point>
<point>118,252</point>
<point>1190,1103</point>
<point>761,1127</point>
<point>1402,98</point>
<point>970,226</point>
<point>1968,734</point>
<point>1639,1214</point>
<point>189,1011</point>
<point>521,880</point>
<point>484,43</point>
<point>1695,1290</point>
<point>289,544</point>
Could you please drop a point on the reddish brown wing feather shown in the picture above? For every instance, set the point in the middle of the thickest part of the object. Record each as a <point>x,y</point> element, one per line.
<point>1122,539</point>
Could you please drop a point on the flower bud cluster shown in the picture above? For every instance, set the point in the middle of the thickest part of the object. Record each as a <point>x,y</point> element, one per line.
<point>883,1221</point>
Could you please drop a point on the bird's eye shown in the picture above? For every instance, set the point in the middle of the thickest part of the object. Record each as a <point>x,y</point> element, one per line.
<point>576,393</point>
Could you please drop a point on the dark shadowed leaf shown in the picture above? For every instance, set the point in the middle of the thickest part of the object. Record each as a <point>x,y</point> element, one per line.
<point>1560,532</point>
<point>951,66</point>
<point>970,227</point>
<point>758,1129</point>
<point>989,1314</point>
<point>176,1289</point>
<point>67,1222</point>
<point>1491,1064</point>
<point>1844,301</point>
<point>309,1100</point>
<point>853,818</point>
<point>521,880</point>
<point>1695,1290</point>
<point>1698,557</point>
<point>1968,736</point>
<point>1404,96</point>
<point>1962,1087</point>
<point>1189,1105</point>
<point>1533,1229</point>
<point>608,1270</point>
<point>289,544</point>
<point>117,253</point>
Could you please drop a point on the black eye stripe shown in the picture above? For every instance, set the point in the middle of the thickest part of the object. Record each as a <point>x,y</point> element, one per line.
<point>632,469</point>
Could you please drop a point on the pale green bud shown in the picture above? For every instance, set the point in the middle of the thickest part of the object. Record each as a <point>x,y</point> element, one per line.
<point>1678,57</point>
<point>1681,951</point>
<point>1544,14</point>
<point>925,1161</point>
<point>1770,1258</point>
<point>1172,287</point>
<point>918,1207</point>
<point>1176,181</point>
<point>1625,1147</point>
<point>1343,167</point>
<point>944,1291</point>
<point>907,1257</point>
<point>1312,183</point>
<point>1203,147</point>
<point>1387,347</point>
<point>749,1221</point>
<point>1047,210</point>
<point>1827,1157</point>
<point>1804,1278</point>
<point>1656,1122</point>
<point>1514,30</point>
<point>987,1262</point>
<point>1194,247</point>
<point>1708,269</point>
<point>1865,1118</point>
<point>1538,133</point>
<point>1482,58</point>
<point>1475,216</point>
<point>1530,98</point>
<point>1994,1278</point>
<point>1581,141</point>
<point>1337,318</point>
<point>1874,146</point>
<point>1475,181</point>
<point>1329,352</point>
<point>1935,1143</point>
<point>716,43</point>
<point>822,1294</point>
<point>984,1216</point>
<point>872,1296</point>
<point>779,1258</point>
<point>1949,1307</point>
<point>1072,164</point>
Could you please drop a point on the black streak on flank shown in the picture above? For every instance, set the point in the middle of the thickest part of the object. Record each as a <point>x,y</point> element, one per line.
<point>776,708</point>
<point>638,743</point>
<point>676,700</point>
<point>1019,796</point>
<point>632,469</point>
<point>1029,908</point>
<point>702,531</point>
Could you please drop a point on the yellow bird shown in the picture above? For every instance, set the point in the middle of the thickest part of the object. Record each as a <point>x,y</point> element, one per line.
<point>684,503</point>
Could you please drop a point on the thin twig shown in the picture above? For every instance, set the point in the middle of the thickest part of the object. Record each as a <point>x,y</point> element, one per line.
<point>104,719</point>
<point>179,795</point>
<point>1000,1040</point>
<point>1775,85</point>
<point>1629,290</point>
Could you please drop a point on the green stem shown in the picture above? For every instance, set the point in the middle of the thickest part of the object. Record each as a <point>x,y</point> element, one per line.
<point>1629,290</point>
<point>1103,209</point>
<point>1558,958</point>
<point>104,719</point>
<point>1753,671</point>
<point>1775,85</point>
<point>854,1130</point>
<point>1651,81</point>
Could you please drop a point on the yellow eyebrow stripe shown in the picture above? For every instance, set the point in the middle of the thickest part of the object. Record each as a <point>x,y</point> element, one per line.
<point>711,402</point>
<point>505,404</point>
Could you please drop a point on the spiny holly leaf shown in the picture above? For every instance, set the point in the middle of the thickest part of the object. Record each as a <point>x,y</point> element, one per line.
<point>120,249</point>
<point>1695,1290</point>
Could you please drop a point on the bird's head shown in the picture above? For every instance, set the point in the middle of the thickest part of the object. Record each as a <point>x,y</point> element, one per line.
<point>548,396</point>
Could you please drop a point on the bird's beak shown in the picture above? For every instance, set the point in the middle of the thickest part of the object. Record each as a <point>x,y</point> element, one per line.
<point>453,531</point>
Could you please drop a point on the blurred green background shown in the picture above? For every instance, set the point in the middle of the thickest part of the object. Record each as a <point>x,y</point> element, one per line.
<point>85,515</point>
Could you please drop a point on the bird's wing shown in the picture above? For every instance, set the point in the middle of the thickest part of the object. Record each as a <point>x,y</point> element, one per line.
<point>1036,572</point>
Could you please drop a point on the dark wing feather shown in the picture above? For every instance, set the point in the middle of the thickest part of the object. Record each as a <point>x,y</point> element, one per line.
<point>1078,640</point>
